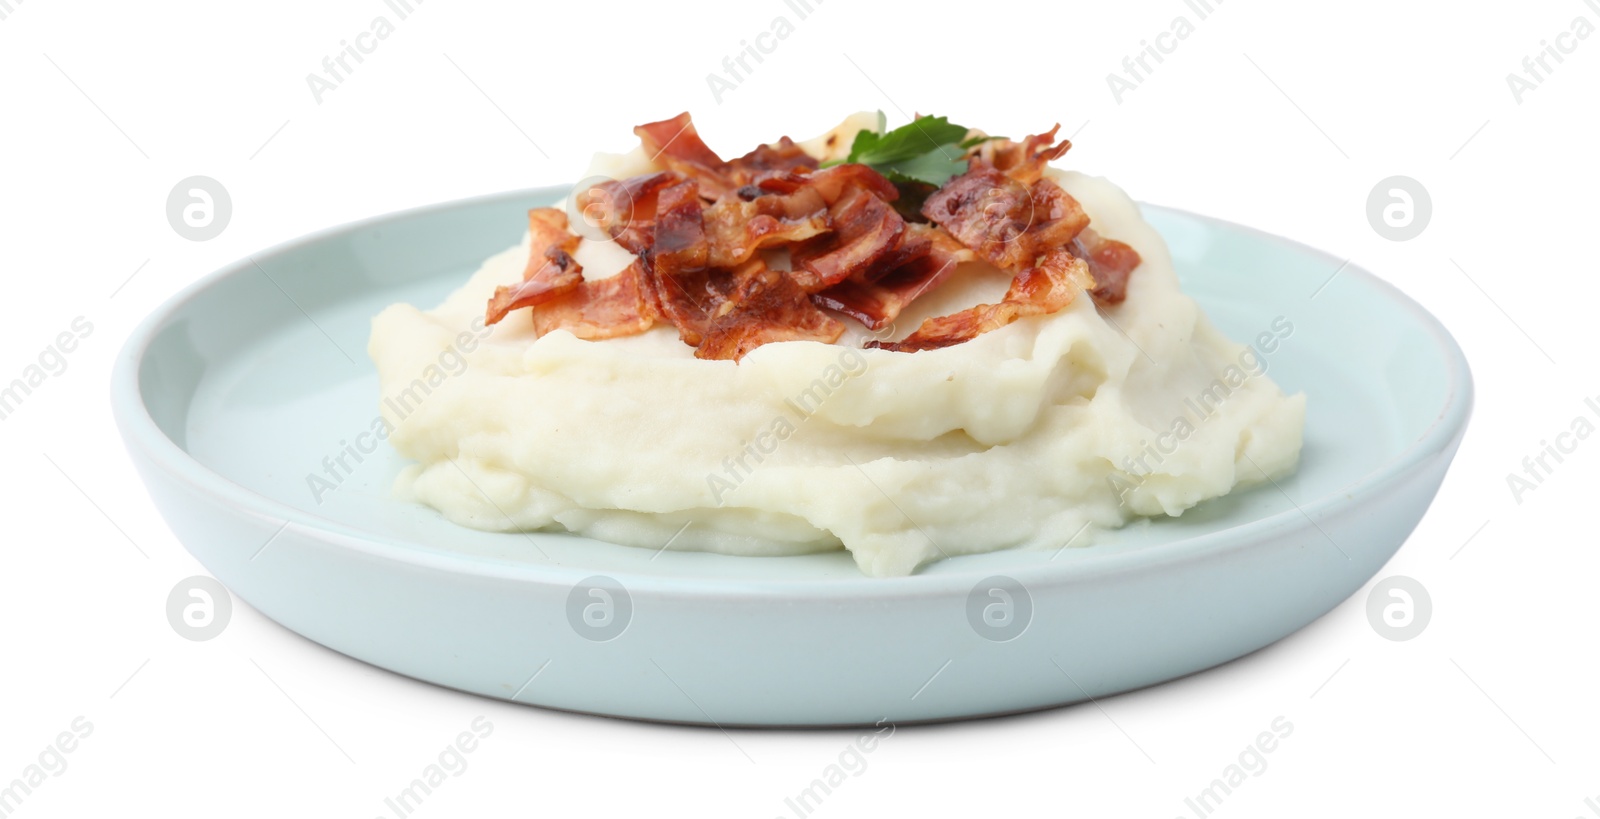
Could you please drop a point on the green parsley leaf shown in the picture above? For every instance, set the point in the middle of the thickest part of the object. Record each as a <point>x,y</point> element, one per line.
<point>928,150</point>
<point>935,167</point>
<point>978,140</point>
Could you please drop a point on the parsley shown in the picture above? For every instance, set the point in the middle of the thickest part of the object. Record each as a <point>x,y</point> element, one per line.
<point>929,150</point>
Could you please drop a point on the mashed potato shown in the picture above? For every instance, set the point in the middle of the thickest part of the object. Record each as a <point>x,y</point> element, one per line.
<point>1031,436</point>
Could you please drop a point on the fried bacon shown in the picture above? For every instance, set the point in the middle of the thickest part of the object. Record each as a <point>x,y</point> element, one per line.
<point>685,290</point>
<point>931,257</point>
<point>865,230</point>
<point>625,210</point>
<point>767,306</point>
<point>1111,262</point>
<point>1023,161</point>
<point>551,269</point>
<point>1040,290</point>
<point>988,212</point>
<point>1007,223</point>
<point>709,235</point>
<point>831,183</point>
<point>737,228</point>
<point>676,144</point>
<point>602,308</point>
<point>783,155</point>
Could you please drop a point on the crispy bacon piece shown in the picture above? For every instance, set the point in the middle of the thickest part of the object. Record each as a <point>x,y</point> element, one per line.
<point>684,289</point>
<point>856,244</point>
<point>551,269</point>
<point>1040,290</point>
<point>786,206</point>
<point>866,230</point>
<point>781,156</point>
<point>766,306</point>
<point>736,228</point>
<point>676,144</point>
<point>832,182</point>
<point>1057,217</point>
<point>625,209</point>
<point>1110,261</point>
<point>1023,161</point>
<point>987,211</point>
<point>680,238</point>
<point>1007,223</point>
<point>876,303</point>
<point>604,308</point>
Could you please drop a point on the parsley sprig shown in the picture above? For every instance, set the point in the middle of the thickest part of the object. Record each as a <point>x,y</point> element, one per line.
<point>929,150</point>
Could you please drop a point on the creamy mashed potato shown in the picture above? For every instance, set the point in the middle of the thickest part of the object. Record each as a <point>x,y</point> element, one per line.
<point>1030,436</point>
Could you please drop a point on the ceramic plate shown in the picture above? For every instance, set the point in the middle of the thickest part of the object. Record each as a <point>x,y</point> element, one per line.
<point>239,388</point>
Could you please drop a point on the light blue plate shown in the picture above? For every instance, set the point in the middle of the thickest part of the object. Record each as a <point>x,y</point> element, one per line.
<point>236,390</point>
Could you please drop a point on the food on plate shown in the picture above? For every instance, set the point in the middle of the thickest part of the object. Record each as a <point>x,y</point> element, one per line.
<point>910,343</point>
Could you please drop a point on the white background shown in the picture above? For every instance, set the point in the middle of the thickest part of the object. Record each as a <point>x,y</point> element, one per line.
<point>1277,115</point>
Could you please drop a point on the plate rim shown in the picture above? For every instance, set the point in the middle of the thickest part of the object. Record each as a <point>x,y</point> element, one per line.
<point>144,439</point>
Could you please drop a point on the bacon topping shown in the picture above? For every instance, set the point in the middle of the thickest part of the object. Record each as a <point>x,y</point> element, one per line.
<point>931,257</point>
<point>684,287</point>
<point>737,228</point>
<point>1111,262</point>
<point>551,269</point>
<point>767,306</point>
<point>676,144</point>
<point>1023,161</point>
<point>625,210</point>
<point>865,230</point>
<point>1007,223</point>
<point>710,236</point>
<point>600,308</point>
<point>1045,288</point>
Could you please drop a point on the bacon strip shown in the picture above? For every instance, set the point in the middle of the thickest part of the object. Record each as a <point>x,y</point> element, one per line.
<point>832,182</point>
<point>625,210</point>
<point>676,263</point>
<point>1040,290</point>
<point>866,229</point>
<point>1007,223</point>
<point>551,269</point>
<point>676,144</point>
<point>855,242</point>
<point>1023,161</point>
<point>987,211</point>
<point>877,303</point>
<point>597,309</point>
<point>1112,263</point>
<point>782,156</point>
<point>766,307</point>
<point>737,228</point>
<point>1057,217</point>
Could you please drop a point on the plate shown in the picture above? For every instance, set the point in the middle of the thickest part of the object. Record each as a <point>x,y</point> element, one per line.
<point>239,389</point>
